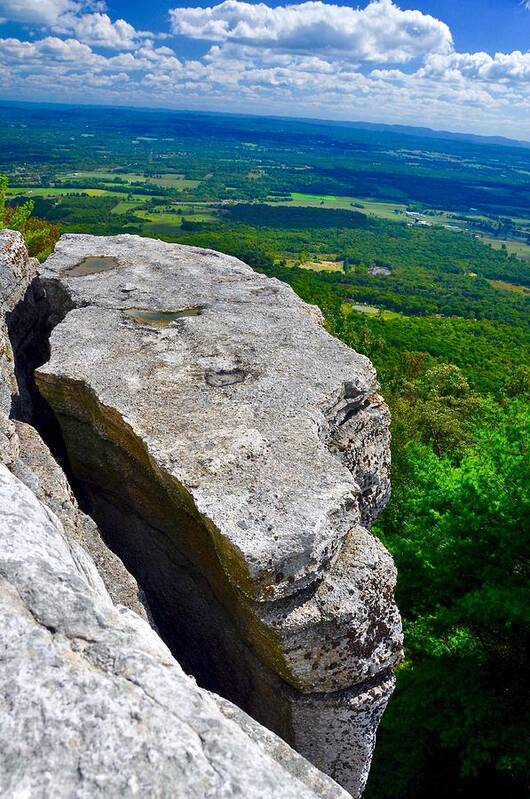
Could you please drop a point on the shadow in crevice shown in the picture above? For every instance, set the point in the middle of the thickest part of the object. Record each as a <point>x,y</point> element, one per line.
<point>161,540</point>
<point>29,328</point>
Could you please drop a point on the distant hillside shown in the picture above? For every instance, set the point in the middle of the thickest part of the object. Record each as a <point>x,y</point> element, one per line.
<point>258,121</point>
<point>429,133</point>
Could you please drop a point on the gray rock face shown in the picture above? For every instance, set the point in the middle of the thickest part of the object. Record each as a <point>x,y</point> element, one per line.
<point>36,467</point>
<point>91,701</point>
<point>234,454</point>
<point>22,449</point>
<point>92,704</point>
<point>16,272</point>
<point>260,389</point>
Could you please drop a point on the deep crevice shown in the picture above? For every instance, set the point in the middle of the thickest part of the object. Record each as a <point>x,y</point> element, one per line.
<point>188,615</point>
<point>29,328</point>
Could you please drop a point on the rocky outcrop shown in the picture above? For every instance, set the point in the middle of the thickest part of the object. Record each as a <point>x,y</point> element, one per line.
<point>93,704</point>
<point>234,455</point>
<point>21,447</point>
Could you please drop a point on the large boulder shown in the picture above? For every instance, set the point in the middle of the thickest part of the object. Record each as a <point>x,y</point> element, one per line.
<point>92,703</point>
<point>235,456</point>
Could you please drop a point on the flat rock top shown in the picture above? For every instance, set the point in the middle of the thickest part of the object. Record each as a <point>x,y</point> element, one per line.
<point>232,384</point>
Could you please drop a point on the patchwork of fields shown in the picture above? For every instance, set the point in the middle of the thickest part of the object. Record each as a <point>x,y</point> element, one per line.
<point>125,186</point>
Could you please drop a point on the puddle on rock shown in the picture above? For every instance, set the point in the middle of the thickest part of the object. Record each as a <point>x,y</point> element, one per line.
<point>160,318</point>
<point>92,266</point>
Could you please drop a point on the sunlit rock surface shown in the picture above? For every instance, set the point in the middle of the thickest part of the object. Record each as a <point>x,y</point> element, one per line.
<point>221,432</point>
<point>234,456</point>
<point>93,704</point>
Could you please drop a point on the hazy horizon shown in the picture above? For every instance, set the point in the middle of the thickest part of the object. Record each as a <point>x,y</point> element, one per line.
<point>440,132</point>
<point>448,66</point>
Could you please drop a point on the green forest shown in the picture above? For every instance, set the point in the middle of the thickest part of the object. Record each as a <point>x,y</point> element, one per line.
<point>424,266</point>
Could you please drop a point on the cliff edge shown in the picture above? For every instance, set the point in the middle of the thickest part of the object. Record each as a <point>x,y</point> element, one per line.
<point>233,455</point>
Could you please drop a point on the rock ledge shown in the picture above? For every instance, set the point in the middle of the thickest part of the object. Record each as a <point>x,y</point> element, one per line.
<point>234,456</point>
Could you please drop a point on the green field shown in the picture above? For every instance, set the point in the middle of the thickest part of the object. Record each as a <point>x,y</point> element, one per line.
<point>323,266</point>
<point>382,210</point>
<point>175,182</point>
<point>38,191</point>
<point>348,308</point>
<point>97,174</point>
<point>126,206</point>
<point>519,248</point>
<point>389,211</point>
<point>166,180</point>
<point>504,286</point>
<point>168,225</point>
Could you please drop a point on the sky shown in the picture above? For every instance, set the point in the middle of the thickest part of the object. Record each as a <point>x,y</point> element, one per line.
<point>460,65</point>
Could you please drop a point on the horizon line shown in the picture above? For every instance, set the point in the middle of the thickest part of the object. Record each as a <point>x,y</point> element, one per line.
<point>483,138</point>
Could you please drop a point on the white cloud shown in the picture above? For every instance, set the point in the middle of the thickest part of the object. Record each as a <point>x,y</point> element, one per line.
<point>38,12</point>
<point>49,50</point>
<point>84,19</point>
<point>52,55</point>
<point>99,30</point>
<point>504,67</point>
<point>381,32</point>
<point>309,59</point>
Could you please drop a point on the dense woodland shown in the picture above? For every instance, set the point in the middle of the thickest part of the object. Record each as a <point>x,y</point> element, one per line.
<point>446,323</point>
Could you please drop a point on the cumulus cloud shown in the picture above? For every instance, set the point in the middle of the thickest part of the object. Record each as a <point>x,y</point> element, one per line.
<point>311,59</point>
<point>99,30</point>
<point>39,12</point>
<point>502,67</point>
<point>14,51</point>
<point>84,19</point>
<point>380,32</point>
<point>53,55</point>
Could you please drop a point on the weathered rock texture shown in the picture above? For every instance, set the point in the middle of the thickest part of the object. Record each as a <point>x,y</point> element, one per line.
<point>92,703</point>
<point>234,456</point>
<point>21,448</point>
<point>16,272</point>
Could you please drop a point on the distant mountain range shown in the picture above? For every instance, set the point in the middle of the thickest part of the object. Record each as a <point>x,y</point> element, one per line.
<point>429,133</point>
<point>403,130</point>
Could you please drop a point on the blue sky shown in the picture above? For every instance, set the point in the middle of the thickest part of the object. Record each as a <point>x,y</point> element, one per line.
<point>452,64</point>
<point>489,25</point>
